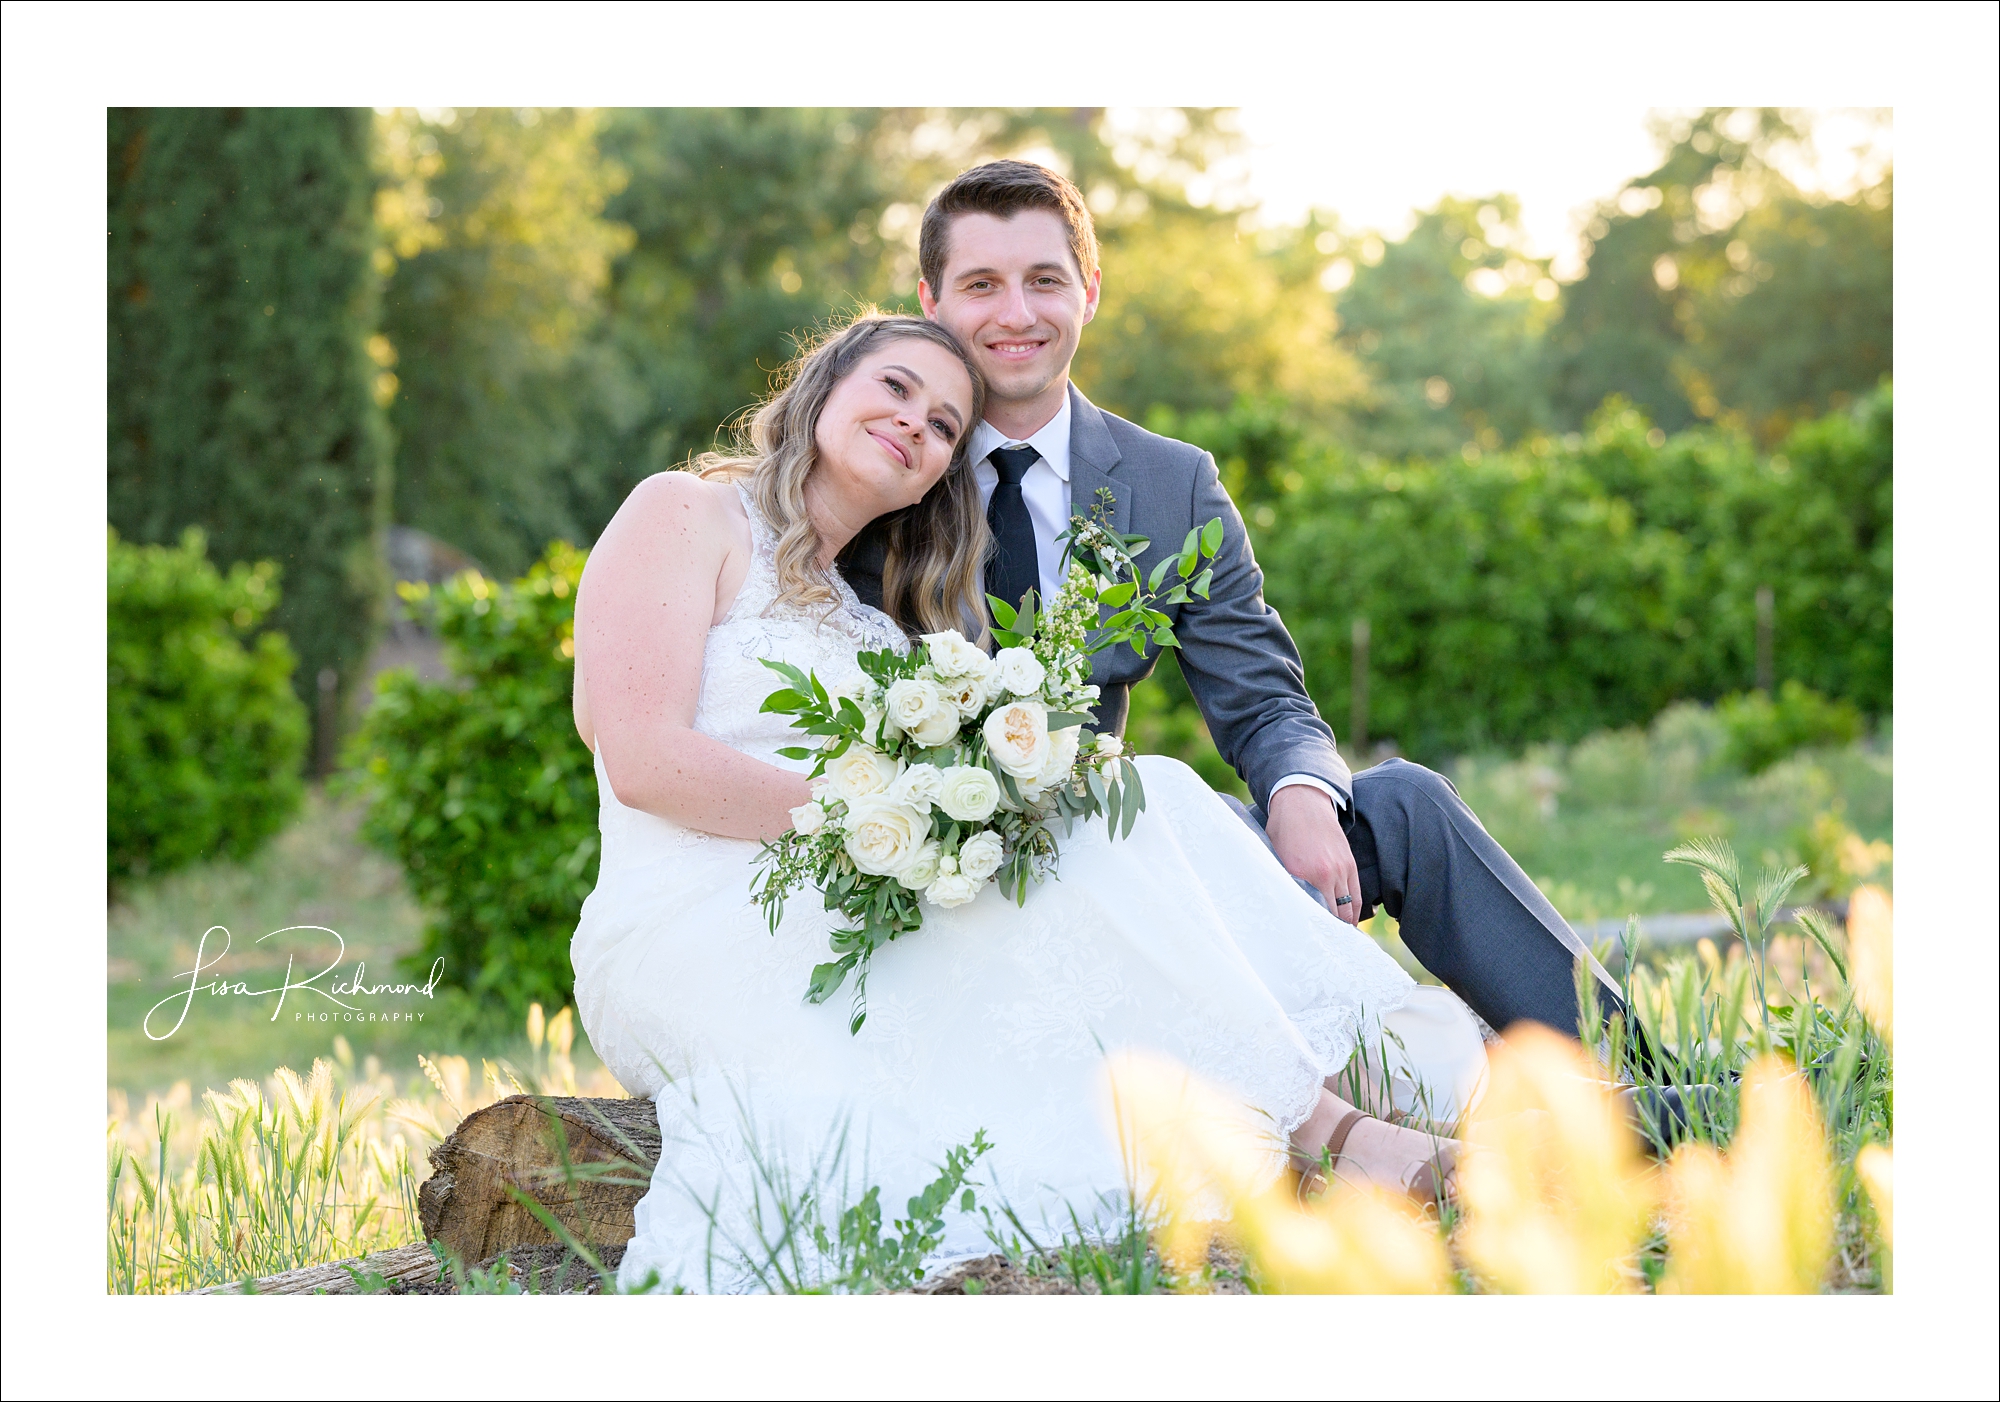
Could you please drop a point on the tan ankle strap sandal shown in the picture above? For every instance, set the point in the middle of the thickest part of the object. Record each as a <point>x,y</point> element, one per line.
<point>1424,1185</point>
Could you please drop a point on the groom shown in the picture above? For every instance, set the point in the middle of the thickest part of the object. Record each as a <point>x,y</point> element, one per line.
<point>1009,263</point>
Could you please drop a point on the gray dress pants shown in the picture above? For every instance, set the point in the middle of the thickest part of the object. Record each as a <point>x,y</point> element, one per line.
<point>1463,906</point>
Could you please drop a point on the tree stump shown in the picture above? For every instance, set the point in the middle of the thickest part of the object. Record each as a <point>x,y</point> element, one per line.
<point>586,1162</point>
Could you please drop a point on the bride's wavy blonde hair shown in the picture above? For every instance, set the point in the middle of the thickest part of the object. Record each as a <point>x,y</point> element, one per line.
<point>933,577</point>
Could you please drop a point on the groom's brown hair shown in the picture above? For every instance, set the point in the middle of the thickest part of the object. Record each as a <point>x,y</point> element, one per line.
<point>1003,189</point>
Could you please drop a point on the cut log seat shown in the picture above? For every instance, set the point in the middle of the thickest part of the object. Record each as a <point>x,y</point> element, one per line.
<point>587,1162</point>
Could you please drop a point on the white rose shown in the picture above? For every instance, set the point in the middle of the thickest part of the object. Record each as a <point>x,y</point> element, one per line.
<point>875,721</point>
<point>861,772</point>
<point>920,710</point>
<point>1110,746</point>
<point>1062,757</point>
<point>969,694</point>
<point>952,889</point>
<point>855,686</point>
<point>808,818</point>
<point>1020,671</point>
<point>1017,736</point>
<point>953,656</point>
<point>883,836</point>
<point>919,786</point>
<point>969,793</point>
<point>922,868</point>
<point>981,855</point>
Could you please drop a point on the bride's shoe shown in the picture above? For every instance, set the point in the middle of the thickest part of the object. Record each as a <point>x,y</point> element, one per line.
<point>1432,1180</point>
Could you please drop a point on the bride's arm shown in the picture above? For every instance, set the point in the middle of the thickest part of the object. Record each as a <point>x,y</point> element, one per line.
<point>643,610</point>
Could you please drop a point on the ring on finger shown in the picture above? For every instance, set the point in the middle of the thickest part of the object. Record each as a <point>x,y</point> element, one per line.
<point>1343,900</point>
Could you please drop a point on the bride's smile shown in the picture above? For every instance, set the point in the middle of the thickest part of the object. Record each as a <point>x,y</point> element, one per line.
<point>887,433</point>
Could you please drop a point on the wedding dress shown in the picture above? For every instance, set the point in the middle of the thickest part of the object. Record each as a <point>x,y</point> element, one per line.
<point>1187,939</point>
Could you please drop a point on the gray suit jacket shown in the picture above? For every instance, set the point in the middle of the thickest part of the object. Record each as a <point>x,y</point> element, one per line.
<point>1239,661</point>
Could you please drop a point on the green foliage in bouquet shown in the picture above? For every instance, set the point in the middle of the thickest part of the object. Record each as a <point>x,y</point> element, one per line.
<point>480,787</point>
<point>944,768</point>
<point>205,736</point>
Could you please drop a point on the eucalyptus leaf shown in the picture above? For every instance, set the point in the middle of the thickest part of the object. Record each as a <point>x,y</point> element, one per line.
<point>827,978</point>
<point>1131,771</point>
<point>789,672</point>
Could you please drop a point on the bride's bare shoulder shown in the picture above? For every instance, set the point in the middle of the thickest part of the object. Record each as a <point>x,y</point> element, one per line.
<point>681,505</point>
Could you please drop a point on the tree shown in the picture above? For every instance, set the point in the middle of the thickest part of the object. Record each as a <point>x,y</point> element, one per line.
<point>1717,290</point>
<point>1449,323</point>
<point>749,226</point>
<point>500,252</point>
<point>242,398</point>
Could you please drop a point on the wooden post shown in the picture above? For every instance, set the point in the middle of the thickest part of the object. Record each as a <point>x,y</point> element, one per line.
<point>1767,680</point>
<point>324,717</point>
<point>1358,724</point>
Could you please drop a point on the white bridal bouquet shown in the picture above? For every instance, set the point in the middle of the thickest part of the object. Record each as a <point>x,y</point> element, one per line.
<point>943,769</point>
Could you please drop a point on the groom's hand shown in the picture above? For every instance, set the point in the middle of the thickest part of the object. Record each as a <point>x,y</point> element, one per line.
<point>1306,831</point>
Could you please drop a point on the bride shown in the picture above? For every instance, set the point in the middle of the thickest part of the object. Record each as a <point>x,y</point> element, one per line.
<point>1189,939</point>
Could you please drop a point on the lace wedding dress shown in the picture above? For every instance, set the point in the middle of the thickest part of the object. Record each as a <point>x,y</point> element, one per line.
<point>1186,939</point>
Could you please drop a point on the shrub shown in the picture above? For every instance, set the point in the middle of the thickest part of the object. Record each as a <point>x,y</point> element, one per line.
<point>482,790</point>
<point>1562,588</point>
<point>1762,731</point>
<point>205,736</point>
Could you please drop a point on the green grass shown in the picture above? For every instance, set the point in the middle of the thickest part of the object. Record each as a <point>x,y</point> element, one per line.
<point>1589,821</point>
<point>317,872</point>
<point>314,873</point>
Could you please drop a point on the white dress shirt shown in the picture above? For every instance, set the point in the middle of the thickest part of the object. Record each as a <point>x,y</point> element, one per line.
<point>1045,489</point>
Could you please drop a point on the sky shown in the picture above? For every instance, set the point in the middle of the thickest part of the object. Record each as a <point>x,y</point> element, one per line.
<point>1374,165</point>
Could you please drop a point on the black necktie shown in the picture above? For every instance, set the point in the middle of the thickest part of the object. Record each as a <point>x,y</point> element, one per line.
<point>1014,568</point>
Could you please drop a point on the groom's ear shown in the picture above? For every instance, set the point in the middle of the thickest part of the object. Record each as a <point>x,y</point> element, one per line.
<point>926,299</point>
<point>1092,286</point>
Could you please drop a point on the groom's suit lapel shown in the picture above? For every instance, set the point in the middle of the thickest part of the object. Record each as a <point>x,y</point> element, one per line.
<point>1094,461</point>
